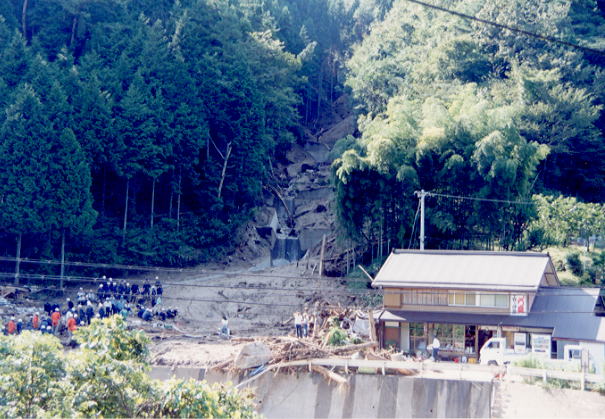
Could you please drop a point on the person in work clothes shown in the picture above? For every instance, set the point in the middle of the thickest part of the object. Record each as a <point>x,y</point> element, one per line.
<point>305,324</point>
<point>436,346</point>
<point>225,327</point>
<point>298,324</point>
<point>71,326</point>
<point>54,318</point>
<point>36,321</point>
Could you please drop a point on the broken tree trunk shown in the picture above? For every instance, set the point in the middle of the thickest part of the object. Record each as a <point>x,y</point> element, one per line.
<point>24,19</point>
<point>18,259</point>
<point>321,256</point>
<point>372,326</point>
<point>178,201</point>
<point>152,201</point>
<point>62,258</point>
<point>329,374</point>
<point>224,172</point>
<point>125,212</point>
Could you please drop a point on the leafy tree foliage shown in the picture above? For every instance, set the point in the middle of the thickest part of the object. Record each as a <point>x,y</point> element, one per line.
<point>107,376</point>
<point>562,219</point>
<point>462,108</point>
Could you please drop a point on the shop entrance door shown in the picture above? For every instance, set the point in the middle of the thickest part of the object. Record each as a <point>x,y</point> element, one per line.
<point>484,335</point>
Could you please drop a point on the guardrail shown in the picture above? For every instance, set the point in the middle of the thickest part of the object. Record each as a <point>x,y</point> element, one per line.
<point>545,374</point>
<point>383,366</point>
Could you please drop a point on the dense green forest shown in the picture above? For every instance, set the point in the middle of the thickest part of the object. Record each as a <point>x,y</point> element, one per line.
<point>138,131</point>
<point>466,109</point>
<point>143,131</point>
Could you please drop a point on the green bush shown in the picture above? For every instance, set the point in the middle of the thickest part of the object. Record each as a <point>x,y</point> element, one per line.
<point>106,377</point>
<point>574,263</point>
<point>337,336</point>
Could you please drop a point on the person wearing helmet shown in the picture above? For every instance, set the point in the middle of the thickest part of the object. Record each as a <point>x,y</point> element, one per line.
<point>55,317</point>
<point>49,330</point>
<point>36,321</point>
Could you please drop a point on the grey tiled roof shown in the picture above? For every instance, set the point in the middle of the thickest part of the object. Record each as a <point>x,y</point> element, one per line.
<point>497,271</point>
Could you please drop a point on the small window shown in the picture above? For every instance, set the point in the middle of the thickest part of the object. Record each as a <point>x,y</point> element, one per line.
<point>391,324</point>
<point>494,345</point>
<point>459,300</point>
<point>470,299</point>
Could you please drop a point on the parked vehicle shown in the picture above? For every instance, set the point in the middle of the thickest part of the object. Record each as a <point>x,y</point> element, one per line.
<point>494,352</point>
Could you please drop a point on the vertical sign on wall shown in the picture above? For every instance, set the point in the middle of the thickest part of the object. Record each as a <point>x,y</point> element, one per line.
<point>518,305</point>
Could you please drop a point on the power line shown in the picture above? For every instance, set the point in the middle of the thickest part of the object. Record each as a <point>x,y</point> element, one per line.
<point>215,274</point>
<point>297,291</point>
<point>508,28</point>
<point>471,198</point>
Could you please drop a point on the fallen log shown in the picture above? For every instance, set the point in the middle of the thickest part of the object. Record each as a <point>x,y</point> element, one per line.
<point>330,375</point>
<point>352,348</point>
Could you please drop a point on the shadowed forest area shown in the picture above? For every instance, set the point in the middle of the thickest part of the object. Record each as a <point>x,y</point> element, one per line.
<point>145,131</point>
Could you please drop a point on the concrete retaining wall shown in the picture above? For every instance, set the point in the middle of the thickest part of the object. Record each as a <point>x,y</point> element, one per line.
<point>306,395</point>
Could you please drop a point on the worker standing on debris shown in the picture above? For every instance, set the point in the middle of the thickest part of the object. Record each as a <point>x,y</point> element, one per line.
<point>71,327</point>
<point>19,326</point>
<point>298,324</point>
<point>305,324</point>
<point>11,326</point>
<point>36,321</point>
<point>55,317</point>
<point>70,304</point>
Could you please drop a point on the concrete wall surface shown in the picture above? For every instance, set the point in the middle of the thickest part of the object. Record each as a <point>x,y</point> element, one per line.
<point>306,395</point>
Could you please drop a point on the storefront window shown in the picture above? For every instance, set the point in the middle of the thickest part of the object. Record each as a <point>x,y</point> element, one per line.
<point>417,337</point>
<point>392,335</point>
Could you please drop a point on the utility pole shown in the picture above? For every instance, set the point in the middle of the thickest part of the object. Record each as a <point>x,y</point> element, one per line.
<point>421,194</point>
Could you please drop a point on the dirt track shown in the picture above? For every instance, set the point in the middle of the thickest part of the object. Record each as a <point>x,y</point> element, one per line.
<point>256,303</point>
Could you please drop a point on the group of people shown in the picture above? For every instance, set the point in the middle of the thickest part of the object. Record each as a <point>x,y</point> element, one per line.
<point>301,323</point>
<point>131,293</point>
<point>54,321</point>
<point>111,298</point>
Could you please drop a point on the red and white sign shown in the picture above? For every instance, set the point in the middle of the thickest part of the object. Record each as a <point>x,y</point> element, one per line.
<point>518,305</point>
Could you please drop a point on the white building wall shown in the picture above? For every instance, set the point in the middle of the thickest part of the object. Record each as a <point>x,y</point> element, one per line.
<point>597,355</point>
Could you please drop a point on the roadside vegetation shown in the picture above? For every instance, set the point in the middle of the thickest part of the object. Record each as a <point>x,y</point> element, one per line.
<point>107,376</point>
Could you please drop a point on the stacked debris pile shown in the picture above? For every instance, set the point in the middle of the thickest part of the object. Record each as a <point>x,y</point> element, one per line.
<point>334,333</point>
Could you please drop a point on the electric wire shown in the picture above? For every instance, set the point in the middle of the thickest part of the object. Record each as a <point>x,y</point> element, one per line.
<point>414,225</point>
<point>300,292</point>
<point>472,198</point>
<point>507,27</point>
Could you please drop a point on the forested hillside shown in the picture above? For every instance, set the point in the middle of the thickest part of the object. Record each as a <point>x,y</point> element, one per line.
<point>467,109</point>
<point>139,131</point>
<point>144,131</point>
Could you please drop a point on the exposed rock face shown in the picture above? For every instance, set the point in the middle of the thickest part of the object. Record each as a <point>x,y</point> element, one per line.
<point>252,355</point>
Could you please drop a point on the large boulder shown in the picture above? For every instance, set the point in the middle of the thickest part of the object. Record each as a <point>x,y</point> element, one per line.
<point>252,355</point>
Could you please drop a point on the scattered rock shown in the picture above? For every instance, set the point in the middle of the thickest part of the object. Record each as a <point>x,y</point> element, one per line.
<point>252,355</point>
